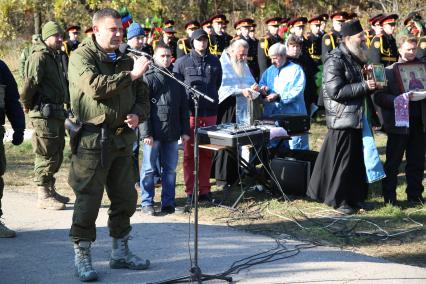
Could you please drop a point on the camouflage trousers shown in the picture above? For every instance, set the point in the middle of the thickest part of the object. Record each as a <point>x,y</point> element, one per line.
<point>48,146</point>
<point>2,165</point>
<point>89,179</point>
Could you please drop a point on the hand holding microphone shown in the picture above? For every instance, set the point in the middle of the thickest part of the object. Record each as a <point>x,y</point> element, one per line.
<point>141,64</point>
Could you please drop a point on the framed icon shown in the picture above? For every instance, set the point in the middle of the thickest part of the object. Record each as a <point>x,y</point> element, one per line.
<point>411,76</point>
<point>379,75</point>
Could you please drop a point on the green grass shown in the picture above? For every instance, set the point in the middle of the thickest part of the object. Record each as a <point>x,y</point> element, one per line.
<point>391,232</point>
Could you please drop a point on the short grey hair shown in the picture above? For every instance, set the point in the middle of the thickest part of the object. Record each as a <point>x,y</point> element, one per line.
<point>277,49</point>
<point>239,43</point>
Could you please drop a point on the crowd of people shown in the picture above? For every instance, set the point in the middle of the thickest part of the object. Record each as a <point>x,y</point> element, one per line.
<point>118,100</point>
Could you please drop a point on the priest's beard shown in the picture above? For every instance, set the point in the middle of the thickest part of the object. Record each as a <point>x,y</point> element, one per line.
<point>238,66</point>
<point>358,50</point>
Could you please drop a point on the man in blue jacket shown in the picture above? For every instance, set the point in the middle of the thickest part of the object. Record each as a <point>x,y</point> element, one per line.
<point>202,71</point>
<point>284,83</point>
<point>10,107</point>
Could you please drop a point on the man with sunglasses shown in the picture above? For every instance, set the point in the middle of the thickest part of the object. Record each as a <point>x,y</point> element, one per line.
<point>383,49</point>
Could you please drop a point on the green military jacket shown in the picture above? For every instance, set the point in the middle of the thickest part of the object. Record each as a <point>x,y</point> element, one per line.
<point>102,91</point>
<point>44,80</point>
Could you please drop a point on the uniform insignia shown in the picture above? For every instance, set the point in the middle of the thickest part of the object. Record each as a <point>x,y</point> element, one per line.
<point>327,41</point>
<point>377,44</point>
<point>423,45</point>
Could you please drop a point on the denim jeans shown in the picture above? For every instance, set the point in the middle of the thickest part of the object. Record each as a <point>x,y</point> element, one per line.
<point>168,152</point>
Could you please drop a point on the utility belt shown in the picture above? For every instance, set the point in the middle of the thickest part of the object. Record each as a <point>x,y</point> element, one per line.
<point>76,128</point>
<point>98,128</point>
<point>49,110</point>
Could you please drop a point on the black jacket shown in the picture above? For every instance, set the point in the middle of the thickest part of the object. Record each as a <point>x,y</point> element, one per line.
<point>385,100</point>
<point>344,89</point>
<point>12,108</point>
<point>204,73</point>
<point>169,116</point>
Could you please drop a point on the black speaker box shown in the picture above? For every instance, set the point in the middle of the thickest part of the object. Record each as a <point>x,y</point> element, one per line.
<point>292,175</point>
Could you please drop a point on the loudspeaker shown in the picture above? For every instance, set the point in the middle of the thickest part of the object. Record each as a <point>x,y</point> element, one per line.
<point>292,175</point>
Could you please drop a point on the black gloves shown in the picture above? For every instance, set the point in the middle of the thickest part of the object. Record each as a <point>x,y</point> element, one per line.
<point>18,137</point>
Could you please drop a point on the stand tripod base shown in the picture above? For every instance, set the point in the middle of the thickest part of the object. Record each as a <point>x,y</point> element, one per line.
<point>195,276</point>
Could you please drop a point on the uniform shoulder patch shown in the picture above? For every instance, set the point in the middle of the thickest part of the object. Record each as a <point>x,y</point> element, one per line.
<point>327,41</point>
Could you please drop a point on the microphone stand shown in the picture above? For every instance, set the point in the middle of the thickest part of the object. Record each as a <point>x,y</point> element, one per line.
<point>195,273</point>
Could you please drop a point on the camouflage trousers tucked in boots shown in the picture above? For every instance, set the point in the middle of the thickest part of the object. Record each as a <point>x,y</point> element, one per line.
<point>83,262</point>
<point>122,257</point>
<point>45,200</point>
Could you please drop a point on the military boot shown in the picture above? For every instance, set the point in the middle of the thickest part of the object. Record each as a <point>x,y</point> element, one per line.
<point>83,262</point>
<point>61,198</point>
<point>5,232</point>
<point>122,257</point>
<point>46,201</point>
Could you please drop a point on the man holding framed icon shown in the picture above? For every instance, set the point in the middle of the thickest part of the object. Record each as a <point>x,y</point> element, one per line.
<point>404,114</point>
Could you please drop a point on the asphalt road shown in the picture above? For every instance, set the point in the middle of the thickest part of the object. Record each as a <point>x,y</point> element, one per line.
<point>42,253</point>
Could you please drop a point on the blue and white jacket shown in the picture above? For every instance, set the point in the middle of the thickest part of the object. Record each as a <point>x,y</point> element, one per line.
<point>288,81</point>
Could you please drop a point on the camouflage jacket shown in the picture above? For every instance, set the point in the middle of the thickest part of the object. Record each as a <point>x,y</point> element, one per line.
<point>102,90</point>
<point>44,80</point>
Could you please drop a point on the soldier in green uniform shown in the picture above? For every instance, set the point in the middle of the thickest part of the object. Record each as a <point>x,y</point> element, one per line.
<point>10,107</point>
<point>25,54</point>
<point>43,96</point>
<point>332,39</point>
<point>183,44</point>
<point>219,39</point>
<point>244,25</point>
<point>383,48</point>
<point>267,41</point>
<point>109,98</point>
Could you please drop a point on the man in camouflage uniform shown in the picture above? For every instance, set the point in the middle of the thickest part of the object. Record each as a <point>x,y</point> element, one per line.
<point>43,96</point>
<point>10,107</point>
<point>109,98</point>
<point>270,39</point>
<point>183,44</point>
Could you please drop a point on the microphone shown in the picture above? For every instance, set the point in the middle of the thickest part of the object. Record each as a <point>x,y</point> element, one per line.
<point>125,48</point>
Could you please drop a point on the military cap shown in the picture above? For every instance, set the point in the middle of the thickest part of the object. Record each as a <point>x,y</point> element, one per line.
<point>376,21</point>
<point>72,28</point>
<point>351,16</point>
<point>284,21</point>
<point>374,18</point>
<point>316,20</point>
<point>192,25</point>
<point>298,22</point>
<point>220,18</point>
<point>206,23</point>
<point>247,22</point>
<point>169,24</point>
<point>389,19</point>
<point>339,16</point>
<point>275,21</point>
<point>324,17</point>
<point>412,16</point>
<point>169,30</point>
<point>88,30</point>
